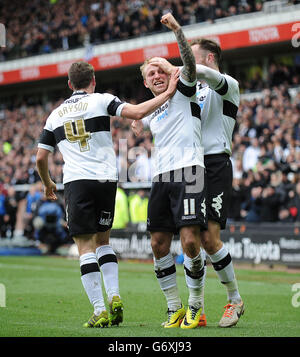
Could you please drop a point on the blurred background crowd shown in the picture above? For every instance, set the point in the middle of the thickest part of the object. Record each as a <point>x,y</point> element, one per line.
<point>46,26</point>
<point>266,140</point>
<point>266,161</point>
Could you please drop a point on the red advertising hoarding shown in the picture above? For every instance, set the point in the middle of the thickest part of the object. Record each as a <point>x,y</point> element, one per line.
<point>227,41</point>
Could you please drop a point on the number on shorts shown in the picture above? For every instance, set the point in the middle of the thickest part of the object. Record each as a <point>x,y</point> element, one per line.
<point>189,206</point>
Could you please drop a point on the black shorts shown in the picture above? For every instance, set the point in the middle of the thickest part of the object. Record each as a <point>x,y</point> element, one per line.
<point>90,206</point>
<point>219,187</point>
<point>177,199</point>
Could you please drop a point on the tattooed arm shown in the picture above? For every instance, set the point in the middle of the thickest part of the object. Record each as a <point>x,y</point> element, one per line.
<point>188,71</point>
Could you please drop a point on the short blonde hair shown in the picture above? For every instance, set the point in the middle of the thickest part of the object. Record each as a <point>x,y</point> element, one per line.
<point>144,65</point>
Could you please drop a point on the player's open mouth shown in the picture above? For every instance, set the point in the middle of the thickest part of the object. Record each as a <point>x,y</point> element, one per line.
<point>158,83</point>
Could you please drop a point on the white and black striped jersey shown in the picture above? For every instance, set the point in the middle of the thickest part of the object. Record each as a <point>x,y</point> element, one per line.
<point>80,127</point>
<point>219,106</point>
<point>176,129</point>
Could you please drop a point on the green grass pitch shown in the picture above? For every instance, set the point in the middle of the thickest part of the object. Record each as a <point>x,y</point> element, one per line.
<point>45,298</point>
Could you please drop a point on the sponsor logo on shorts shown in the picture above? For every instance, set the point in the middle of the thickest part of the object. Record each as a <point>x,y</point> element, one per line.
<point>203,208</point>
<point>189,217</point>
<point>105,219</point>
<point>217,203</point>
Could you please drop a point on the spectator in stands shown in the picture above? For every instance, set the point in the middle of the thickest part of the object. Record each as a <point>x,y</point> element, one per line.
<point>270,202</point>
<point>272,119</point>
<point>11,207</point>
<point>251,209</point>
<point>278,73</point>
<point>138,205</point>
<point>284,215</point>
<point>121,218</point>
<point>3,214</point>
<point>34,195</point>
<point>140,169</point>
<point>33,198</point>
<point>65,24</point>
<point>237,168</point>
<point>294,204</point>
<point>278,147</point>
<point>237,198</point>
<point>49,224</point>
<point>251,155</point>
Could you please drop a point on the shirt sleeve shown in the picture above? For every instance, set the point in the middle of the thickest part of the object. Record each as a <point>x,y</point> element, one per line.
<point>188,89</point>
<point>146,122</point>
<point>233,91</point>
<point>213,78</point>
<point>47,139</point>
<point>222,84</point>
<point>114,105</point>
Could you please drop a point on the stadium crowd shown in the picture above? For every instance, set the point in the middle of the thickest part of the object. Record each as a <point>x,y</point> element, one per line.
<point>45,26</point>
<point>266,159</point>
<point>266,141</point>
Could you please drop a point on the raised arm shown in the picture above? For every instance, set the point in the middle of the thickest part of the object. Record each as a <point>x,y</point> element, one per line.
<point>218,82</point>
<point>209,75</point>
<point>188,71</point>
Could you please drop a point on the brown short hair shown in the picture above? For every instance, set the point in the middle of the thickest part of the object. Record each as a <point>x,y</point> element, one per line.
<point>209,45</point>
<point>81,74</point>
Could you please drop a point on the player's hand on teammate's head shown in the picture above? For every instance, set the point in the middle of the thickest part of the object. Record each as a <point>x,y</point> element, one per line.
<point>137,127</point>
<point>169,21</point>
<point>50,190</point>
<point>162,63</point>
<point>173,81</point>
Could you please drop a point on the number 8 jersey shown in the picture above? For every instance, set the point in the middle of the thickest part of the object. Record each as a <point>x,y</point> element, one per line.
<point>80,127</point>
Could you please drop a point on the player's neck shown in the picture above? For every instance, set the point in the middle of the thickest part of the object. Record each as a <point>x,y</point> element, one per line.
<point>84,91</point>
<point>79,91</point>
<point>212,66</point>
<point>88,90</point>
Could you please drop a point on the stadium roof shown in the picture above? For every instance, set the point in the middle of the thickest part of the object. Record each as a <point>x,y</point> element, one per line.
<point>240,31</point>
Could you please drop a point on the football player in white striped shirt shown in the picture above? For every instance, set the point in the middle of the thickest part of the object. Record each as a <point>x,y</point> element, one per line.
<point>80,127</point>
<point>218,97</point>
<point>178,188</point>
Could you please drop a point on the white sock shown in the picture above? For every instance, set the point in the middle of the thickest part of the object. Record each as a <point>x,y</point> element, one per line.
<point>108,264</point>
<point>233,294</point>
<point>173,299</point>
<point>223,266</point>
<point>194,272</point>
<point>91,281</point>
<point>204,279</point>
<point>165,271</point>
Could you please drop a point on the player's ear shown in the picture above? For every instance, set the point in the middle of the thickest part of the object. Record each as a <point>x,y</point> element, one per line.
<point>94,81</point>
<point>210,57</point>
<point>145,84</point>
<point>70,85</point>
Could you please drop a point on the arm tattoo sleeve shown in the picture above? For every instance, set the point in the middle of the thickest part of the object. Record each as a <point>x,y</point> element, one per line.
<point>189,64</point>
